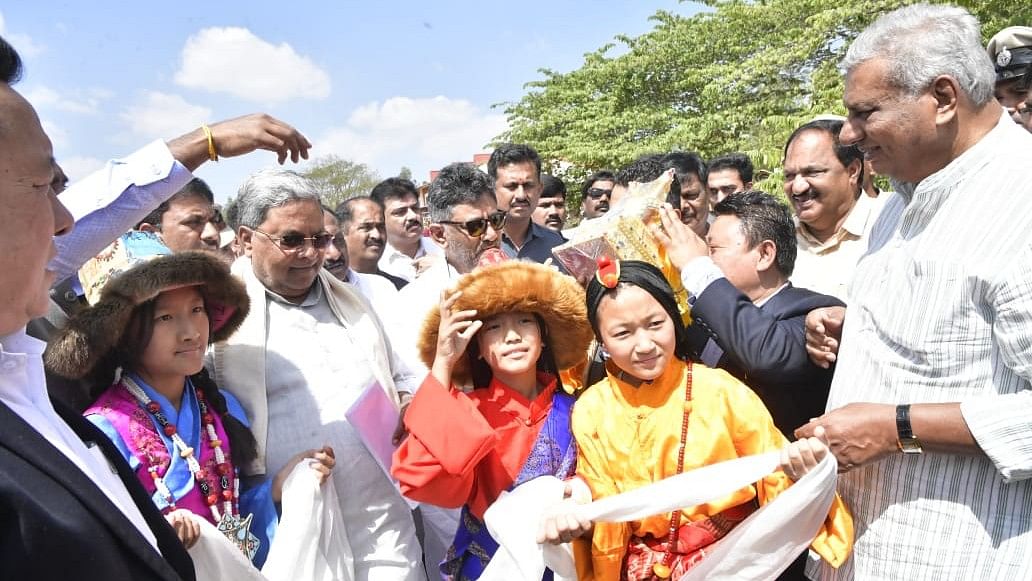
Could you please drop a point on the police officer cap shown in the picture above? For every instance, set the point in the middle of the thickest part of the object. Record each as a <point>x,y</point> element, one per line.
<point>1011,52</point>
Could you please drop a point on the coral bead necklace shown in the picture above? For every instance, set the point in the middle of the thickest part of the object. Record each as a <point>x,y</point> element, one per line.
<point>228,520</point>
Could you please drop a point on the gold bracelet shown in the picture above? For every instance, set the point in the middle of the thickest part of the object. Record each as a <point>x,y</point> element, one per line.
<point>213,154</point>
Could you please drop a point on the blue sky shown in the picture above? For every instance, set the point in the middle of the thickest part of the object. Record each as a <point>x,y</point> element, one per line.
<point>382,83</point>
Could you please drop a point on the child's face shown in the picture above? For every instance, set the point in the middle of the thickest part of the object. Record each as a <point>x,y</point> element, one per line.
<point>510,343</point>
<point>180,336</point>
<point>637,332</point>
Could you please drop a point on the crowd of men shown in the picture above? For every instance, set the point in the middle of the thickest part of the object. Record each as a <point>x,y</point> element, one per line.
<point>899,321</point>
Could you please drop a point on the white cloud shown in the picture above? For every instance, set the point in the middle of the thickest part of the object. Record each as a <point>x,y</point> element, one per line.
<point>420,133</point>
<point>43,97</point>
<point>77,167</point>
<point>233,60</point>
<point>23,43</point>
<point>163,115</point>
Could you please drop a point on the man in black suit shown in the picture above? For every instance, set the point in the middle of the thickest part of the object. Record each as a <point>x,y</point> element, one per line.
<point>747,317</point>
<point>70,507</point>
<point>65,511</point>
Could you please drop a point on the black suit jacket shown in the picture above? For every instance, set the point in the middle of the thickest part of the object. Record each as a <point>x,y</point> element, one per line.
<point>56,524</point>
<point>765,347</point>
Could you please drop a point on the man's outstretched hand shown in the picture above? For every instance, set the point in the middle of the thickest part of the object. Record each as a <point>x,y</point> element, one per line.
<point>241,136</point>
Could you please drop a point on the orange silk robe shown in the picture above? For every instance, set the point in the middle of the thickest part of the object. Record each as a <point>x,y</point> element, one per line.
<point>465,449</point>
<point>628,437</point>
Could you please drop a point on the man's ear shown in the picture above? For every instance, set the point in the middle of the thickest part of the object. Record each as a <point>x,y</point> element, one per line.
<point>853,170</point>
<point>145,227</point>
<point>437,234</point>
<point>945,91</point>
<point>768,255</point>
<point>245,238</point>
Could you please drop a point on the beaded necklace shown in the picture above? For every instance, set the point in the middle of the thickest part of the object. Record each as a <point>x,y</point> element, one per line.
<point>662,569</point>
<point>228,521</point>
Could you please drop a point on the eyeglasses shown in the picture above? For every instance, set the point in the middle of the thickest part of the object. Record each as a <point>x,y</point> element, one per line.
<point>597,193</point>
<point>295,242</point>
<point>478,226</point>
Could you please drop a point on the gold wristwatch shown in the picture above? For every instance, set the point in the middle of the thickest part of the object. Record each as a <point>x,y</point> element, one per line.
<point>906,440</point>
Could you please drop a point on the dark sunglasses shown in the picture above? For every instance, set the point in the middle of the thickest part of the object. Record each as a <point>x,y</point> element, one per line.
<point>295,242</point>
<point>477,226</point>
<point>597,193</point>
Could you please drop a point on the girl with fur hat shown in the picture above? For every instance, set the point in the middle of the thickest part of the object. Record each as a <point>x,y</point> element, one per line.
<point>507,331</point>
<point>141,345</point>
<point>657,414</point>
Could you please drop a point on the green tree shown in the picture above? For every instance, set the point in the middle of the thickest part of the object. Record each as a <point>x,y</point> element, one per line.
<point>405,173</point>
<point>739,76</point>
<point>339,179</point>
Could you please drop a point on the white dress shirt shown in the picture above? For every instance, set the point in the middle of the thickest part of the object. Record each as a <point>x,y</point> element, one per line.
<point>380,292</point>
<point>941,311</point>
<point>112,200</point>
<point>415,301</point>
<point>400,264</point>
<point>23,389</point>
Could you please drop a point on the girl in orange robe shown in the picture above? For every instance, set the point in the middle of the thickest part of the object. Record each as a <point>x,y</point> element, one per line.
<point>655,415</point>
<point>508,329</point>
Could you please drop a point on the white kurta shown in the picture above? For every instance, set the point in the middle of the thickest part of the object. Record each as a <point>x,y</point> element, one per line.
<point>315,368</point>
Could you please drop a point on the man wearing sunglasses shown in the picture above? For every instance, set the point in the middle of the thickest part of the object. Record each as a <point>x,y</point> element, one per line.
<point>308,349</point>
<point>516,171</point>
<point>466,223</point>
<point>596,193</point>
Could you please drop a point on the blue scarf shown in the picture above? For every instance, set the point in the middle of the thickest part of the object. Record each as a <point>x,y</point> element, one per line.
<point>554,453</point>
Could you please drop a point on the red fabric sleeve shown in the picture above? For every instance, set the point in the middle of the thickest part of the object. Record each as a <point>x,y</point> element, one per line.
<point>448,437</point>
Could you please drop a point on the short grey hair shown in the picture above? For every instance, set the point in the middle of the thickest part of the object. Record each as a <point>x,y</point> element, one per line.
<point>457,183</point>
<point>271,188</point>
<point>921,42</point>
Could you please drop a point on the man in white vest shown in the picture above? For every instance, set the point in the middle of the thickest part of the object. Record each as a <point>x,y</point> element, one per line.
<point>308,349</point>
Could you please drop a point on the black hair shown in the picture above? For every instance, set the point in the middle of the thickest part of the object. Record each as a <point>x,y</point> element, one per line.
<point>345,211</point>
<point>481,373</point>
<point>846,154</point>
<point>127,355</point>
<point>455,184</point>
<point>10,63</point>
<point>643,169</point>
<point>739,162</point>
<point>231,214</point>
<point>194,188</point>
<point>392,189</point>
<point>552,186</point>
<point>650,279</point>
<point>763,217</point>
<point>685,163</point>
<point>510,153</point>
<point>599,176</point>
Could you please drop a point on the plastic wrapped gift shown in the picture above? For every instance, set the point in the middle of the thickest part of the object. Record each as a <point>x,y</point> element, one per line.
<point>623,234</point>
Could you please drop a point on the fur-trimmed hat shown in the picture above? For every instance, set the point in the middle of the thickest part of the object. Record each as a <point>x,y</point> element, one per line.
<point>519,286</point>
<point>91,334</point>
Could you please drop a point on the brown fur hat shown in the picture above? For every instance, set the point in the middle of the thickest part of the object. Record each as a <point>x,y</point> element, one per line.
<point>94,332</point>
<point>519,286</point>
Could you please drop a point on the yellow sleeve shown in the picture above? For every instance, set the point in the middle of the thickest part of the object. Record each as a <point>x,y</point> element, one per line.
<point>602,557</point>
<point>755,433</point>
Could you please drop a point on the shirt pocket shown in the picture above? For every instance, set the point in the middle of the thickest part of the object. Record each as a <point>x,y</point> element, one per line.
<point>934,316</point>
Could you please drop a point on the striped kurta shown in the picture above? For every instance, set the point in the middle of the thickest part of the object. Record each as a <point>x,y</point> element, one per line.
<point>941,311</point>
